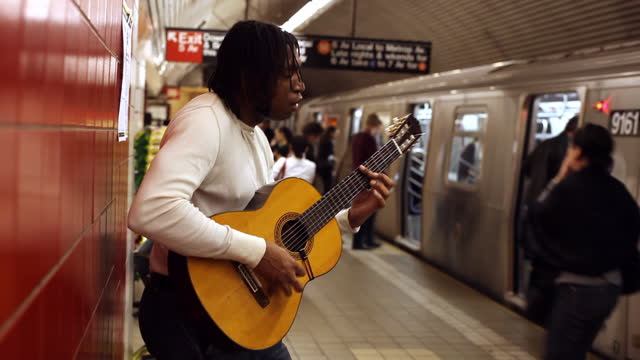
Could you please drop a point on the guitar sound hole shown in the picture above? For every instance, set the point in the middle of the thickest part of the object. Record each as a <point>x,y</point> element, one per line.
<point>294,235</point>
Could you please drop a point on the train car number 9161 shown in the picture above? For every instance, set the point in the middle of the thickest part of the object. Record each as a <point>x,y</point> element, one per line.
<point>625,123</point>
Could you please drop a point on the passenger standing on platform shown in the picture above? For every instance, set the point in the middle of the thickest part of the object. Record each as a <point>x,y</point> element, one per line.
<point>265,126</point>
<point>280,143</point>
<point>326,158</point>
<point>363,145</point>
<point>295,165</point>
<point>586,227</point>
<point>212,160</point>
<point>312,132</point>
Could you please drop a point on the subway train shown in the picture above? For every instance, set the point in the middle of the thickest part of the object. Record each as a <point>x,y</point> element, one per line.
<point>458,199</point>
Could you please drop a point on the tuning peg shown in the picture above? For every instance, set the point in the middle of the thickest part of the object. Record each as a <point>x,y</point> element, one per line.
<point>392,128</point>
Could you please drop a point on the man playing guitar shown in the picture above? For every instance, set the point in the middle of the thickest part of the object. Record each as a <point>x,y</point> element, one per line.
<point>212,159</point>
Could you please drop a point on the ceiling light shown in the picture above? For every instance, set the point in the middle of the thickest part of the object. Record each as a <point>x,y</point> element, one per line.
<point>306,13</point>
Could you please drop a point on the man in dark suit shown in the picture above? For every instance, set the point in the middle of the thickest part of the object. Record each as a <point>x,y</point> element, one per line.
<point>311,133</point>
<point>363,145</point>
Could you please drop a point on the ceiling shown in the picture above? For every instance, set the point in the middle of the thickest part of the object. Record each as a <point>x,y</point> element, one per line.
<point>463,32</point>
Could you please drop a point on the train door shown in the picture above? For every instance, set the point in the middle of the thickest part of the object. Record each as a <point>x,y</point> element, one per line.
<point>413,180</point>
<point>548,116</point>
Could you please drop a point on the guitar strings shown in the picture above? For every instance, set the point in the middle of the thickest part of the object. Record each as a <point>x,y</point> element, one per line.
<point>351,191</point>
<point>299,229</point>
<point>297,233</point>
<point>354,176</point>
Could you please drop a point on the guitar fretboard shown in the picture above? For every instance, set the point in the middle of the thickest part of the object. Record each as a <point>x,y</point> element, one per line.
<point>341,195</point>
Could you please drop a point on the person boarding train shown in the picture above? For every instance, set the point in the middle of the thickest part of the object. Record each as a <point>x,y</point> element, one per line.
<point>585,231</point>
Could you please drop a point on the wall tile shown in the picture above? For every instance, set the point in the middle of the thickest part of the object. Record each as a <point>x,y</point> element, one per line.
<point>54,45</point>
<point>8,220</point>
<point>11,28</point>
<point>50,223</point>
<point>31,242</point>
<point>60,175</point>
<point>54,323</point>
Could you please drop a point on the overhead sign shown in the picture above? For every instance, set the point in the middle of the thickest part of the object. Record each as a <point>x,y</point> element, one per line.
<point>184,46</point>
<point>625,123</point>
<point>201,46</point>
<point>365,54</point>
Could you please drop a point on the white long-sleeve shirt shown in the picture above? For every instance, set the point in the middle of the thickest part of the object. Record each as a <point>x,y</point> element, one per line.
<point>209,162</point>
<point>301,168</point>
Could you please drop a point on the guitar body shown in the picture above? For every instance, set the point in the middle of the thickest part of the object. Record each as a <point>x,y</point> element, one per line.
<point>225,295</point>
<point>228,299</point>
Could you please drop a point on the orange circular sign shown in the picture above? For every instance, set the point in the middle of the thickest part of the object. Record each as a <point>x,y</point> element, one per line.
<point>422,66</point>
<point>324,47</point>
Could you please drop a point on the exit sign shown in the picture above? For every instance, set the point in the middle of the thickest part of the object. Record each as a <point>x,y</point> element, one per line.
<point>184,46</point>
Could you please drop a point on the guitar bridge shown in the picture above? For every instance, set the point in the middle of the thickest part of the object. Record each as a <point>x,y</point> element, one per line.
<point>253,284</point>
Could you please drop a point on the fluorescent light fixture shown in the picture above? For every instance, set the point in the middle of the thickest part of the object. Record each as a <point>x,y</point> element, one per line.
<point>306,13</point>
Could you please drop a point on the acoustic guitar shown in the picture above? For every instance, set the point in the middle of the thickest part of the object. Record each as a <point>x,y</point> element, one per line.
<point>294,215</point>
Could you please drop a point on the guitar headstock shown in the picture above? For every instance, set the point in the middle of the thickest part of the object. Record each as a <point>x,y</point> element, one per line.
<point>405,131</point>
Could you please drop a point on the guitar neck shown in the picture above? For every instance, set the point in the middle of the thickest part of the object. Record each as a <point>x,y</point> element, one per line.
<point>341,195</point>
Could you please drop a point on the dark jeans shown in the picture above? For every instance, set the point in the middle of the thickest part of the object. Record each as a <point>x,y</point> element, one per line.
<point>576,317</point>
<point>169,337</point>
<point>364,237</point>
<point>541,291</point>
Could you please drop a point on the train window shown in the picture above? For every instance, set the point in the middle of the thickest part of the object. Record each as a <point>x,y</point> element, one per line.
<point>356,116</point>
<point>551,112</point>
<point>423,113</point>
<point>469,122</point>
<point>385,117</point>
<point>465,157</point>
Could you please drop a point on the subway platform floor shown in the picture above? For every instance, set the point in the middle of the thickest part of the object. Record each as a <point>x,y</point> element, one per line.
<point>387,304</point>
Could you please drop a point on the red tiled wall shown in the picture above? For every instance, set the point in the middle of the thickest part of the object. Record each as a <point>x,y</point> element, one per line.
<point>63,181</point>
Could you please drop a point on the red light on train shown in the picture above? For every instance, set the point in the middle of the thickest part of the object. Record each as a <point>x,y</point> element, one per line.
<point>603,106</point>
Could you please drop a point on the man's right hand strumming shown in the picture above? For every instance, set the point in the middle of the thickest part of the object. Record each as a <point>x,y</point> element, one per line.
<point>280,269</point>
